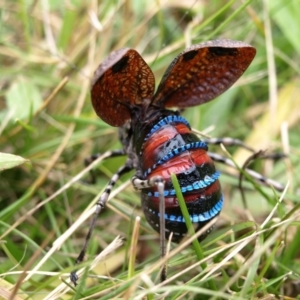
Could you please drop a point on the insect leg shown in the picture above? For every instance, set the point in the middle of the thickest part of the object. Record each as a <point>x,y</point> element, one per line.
<point>100,205</point>
<point>158,181</point>
<point>266,181</point>
<point>227,141</point>
<point>93,157</point>
<point>113,153</point>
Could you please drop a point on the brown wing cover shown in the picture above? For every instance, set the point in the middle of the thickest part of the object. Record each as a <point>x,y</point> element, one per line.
<point>202,72</point>
<point>123,80</point>
<point>197,75</point>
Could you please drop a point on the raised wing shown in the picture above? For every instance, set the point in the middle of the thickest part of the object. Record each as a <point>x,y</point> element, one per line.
<point>122,81</point>
<point>202,72</point>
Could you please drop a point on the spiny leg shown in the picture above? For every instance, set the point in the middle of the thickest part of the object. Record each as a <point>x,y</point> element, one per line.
<point>100,205</point>
<point>158,181</point>
<point>266,181</point>
<point>227,141</point>
<point>93,157</point>
<point>254,156</point>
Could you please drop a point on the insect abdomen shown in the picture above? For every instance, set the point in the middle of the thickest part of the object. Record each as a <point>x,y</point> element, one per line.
<point>171,147</point>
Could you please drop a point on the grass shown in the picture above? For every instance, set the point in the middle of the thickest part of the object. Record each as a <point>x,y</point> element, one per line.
<point>48,53</point>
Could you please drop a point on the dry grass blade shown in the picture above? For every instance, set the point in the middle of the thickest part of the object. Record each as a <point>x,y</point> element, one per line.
<point>48,54</point>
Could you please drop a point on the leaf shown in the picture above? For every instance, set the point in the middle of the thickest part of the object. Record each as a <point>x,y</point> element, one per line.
<point>8,161</point>
<point>23,99</point>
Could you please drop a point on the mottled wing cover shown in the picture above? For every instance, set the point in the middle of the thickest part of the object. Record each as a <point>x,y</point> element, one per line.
<point>123,80</point>
<point>202,72</point>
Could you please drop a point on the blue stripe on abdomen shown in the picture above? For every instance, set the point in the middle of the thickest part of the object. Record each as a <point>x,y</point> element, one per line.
<point>195,218</point>
<point>201,184</point>
<point>168,120</point>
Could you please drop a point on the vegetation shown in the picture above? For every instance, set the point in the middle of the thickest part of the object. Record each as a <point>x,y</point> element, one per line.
<point>48,53</point>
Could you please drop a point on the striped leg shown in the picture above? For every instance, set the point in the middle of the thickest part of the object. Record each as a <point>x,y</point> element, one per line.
<point>101,203</point>
<point>227,141</point>
<point>266,181</point>
<point>158,181</point>
<point>93,157</point>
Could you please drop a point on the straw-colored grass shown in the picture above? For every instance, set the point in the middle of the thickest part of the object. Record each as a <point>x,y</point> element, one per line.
<point>48,53</point>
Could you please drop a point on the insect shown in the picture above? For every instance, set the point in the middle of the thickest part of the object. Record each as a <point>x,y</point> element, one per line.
<point>159,141</point>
